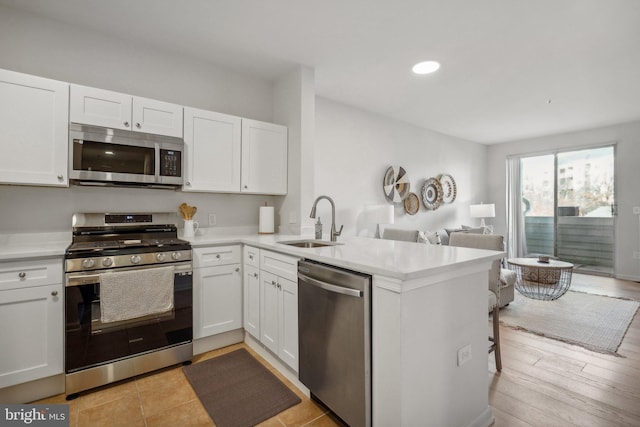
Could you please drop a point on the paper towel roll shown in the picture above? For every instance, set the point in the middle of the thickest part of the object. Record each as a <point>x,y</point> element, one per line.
<point>266,220</point>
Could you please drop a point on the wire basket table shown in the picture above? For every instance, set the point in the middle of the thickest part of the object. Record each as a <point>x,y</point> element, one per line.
<point>541,280</point>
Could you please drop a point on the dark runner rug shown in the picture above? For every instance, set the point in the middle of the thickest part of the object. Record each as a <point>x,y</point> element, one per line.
<point>237,390</point>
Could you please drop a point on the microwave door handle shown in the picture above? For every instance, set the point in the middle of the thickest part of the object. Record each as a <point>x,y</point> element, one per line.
<point>156,150</point>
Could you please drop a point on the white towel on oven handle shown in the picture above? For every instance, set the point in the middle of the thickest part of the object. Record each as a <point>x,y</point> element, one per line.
<point>126,295</point>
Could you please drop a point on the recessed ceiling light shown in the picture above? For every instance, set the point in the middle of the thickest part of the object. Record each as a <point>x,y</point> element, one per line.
<point>426,67</point>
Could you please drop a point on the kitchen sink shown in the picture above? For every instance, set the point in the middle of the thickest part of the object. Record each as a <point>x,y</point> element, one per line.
<point>309,243</point>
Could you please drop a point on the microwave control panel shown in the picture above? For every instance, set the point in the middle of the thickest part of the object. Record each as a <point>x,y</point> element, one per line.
<point>170,163</point>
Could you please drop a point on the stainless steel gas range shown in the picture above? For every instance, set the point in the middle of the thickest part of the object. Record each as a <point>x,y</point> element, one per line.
<point>128,298</point>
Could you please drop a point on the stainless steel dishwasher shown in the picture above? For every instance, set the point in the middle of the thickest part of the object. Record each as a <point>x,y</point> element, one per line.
<point>334,327</point>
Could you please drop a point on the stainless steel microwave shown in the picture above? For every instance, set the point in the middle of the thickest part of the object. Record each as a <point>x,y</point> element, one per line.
<point>103,156</point>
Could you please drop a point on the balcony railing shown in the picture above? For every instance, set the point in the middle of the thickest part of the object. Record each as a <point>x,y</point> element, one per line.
<point>585,242</point>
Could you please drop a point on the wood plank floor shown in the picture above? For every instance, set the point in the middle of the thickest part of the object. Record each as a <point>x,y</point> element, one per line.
<point>548,383</point>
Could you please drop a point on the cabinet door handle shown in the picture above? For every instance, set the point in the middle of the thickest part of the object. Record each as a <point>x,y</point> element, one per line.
<point>60,177</point>
<point>246,186</point>
<point>238,270</point>
<point>138,125</point>
<point>279,286</point>
<point>188,184</point>
<point>126,124</point>
<point>273,282</point>
<point>250,256</point>
<point>22,275</point>
<point>54,293</point>
<point>218,256</point>
<point>255,275</point>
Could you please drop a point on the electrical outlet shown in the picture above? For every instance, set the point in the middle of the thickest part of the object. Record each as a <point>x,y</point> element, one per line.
<point>464,355</point>
<point>293,218</point>
<point>212,219</point>
<point>636,210</point>
<point>636,255</point>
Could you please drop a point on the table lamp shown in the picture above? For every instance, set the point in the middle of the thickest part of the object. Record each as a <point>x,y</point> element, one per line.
<point>379,214</point>
<point>483,211</point>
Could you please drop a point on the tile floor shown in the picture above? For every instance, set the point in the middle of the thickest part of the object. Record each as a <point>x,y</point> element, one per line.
<point>165,398</point>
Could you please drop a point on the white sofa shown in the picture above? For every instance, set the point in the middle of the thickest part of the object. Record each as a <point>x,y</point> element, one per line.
<point>507,277</point>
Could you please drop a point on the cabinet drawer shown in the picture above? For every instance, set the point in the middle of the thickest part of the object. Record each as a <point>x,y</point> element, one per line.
<point>251,256</point>
<point>281,265</point>
<point>24,274</point>
<point>216,255</point>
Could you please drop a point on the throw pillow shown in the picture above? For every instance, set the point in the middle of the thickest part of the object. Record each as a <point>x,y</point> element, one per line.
<point>429,236</point>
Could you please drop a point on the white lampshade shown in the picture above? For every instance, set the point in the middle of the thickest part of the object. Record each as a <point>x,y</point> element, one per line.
<point>483,210</point>
<point>379,214</point>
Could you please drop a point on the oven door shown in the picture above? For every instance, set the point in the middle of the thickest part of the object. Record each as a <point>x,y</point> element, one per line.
<point>88,343</point>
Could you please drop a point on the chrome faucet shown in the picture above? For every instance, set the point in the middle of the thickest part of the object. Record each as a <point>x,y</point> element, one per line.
<point>334,233</point>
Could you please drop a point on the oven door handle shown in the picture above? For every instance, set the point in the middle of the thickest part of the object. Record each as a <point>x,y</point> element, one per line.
<point>88,279</point>
<point>83,279</point>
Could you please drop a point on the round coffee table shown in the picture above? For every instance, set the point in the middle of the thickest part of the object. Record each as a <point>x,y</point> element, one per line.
<point>541,280</point>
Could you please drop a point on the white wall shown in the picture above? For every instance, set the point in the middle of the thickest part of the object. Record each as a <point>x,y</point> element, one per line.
<point>627,139</point>
<point>294,104</point>
<point>49,49</point>
<point>353,149</point>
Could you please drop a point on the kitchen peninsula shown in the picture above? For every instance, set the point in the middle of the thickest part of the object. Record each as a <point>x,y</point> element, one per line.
<point>428,302</point>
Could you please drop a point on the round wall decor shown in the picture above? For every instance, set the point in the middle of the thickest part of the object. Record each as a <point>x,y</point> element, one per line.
<point>432,194</point>
<point>411,204</point>
<point>449,190</point>
<point>396,184</point>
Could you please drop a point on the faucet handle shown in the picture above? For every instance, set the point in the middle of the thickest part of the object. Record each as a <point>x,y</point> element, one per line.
<point>337,233</point>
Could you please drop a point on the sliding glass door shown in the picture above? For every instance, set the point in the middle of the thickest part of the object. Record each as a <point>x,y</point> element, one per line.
<point>569,207</point>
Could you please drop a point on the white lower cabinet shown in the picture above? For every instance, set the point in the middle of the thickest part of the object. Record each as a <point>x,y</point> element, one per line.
<point>251,268</point>
<point>31,312</point>
<point>279,306</point>
<point>217,287</point>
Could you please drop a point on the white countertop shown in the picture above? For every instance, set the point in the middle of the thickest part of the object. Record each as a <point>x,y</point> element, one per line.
<point>395,259</point>
<point>400,260</point>
<point>22,246</point>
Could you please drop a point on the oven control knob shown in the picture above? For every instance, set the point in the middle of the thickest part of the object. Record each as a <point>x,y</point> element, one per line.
<point>88,263</point>
<point>161,256</point>
<point>107,262</point>
<point>135,259</point>
<point>176,255</point>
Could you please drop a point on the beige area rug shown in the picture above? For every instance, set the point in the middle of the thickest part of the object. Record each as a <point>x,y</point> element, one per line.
<point>595,322</point>
<point>237,390</point>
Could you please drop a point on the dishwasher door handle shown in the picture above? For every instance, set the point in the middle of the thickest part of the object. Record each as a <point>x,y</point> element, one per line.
<point>331,288</point>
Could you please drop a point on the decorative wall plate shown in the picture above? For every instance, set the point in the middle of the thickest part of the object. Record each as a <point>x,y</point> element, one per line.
<point>396,184</point>
<point>411,204</point>
<point>449,190</point>
<point>432,194</point>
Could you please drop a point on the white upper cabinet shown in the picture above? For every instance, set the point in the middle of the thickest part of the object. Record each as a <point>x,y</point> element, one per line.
<point>212,150</point>
<point>105,108</point>
<point>227,154</point>
<point>34,122</point>
<point>264,158</point>
<point>157,117</point>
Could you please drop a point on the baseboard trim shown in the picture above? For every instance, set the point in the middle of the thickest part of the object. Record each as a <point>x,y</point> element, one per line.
<point>628,277</point>
<point>274,361</point>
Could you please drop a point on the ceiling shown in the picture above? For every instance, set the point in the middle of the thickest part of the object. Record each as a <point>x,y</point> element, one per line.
<point>511,69</point>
